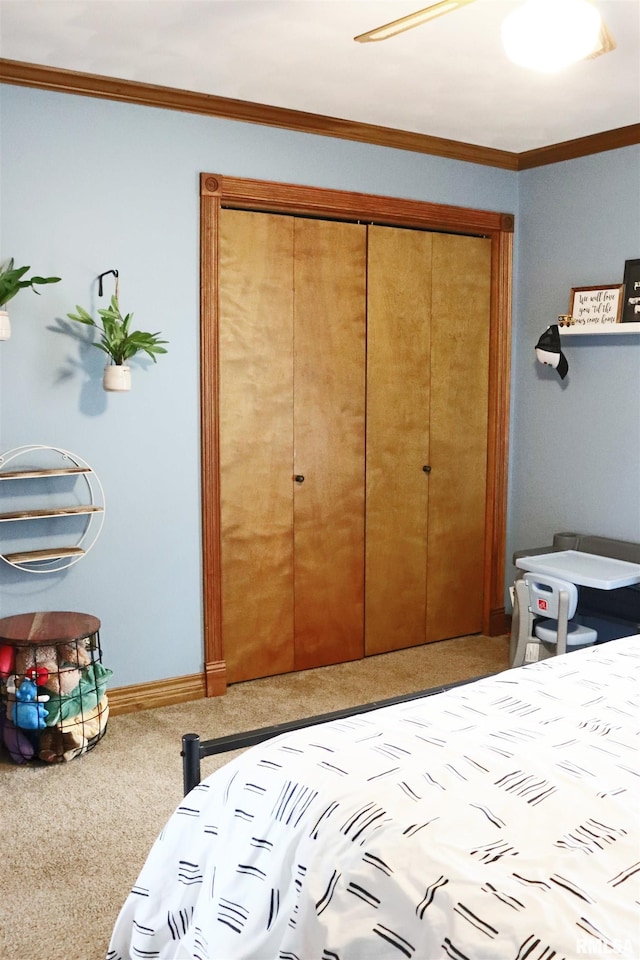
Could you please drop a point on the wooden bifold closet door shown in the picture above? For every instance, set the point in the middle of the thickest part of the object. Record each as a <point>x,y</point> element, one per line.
<point>353,438</point>
<point>427,408</point>
<point>292,301</point>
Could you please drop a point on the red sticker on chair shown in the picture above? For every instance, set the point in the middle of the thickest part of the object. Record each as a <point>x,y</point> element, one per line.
<point>542,604</point>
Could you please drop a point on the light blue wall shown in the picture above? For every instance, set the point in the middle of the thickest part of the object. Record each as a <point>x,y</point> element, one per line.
<point>89,185</point>
<point>575,453</point>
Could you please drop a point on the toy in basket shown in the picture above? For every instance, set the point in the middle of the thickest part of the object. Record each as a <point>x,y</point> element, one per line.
<point>53,701</point>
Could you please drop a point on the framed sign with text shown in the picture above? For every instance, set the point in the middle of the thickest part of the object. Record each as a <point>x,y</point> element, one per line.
<point>631,311</point>
<point>594,309</point>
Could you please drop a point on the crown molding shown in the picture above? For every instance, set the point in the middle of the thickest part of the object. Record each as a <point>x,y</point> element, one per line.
<point>580,147</point>
<point>21,73</point>
<point>169,98</point>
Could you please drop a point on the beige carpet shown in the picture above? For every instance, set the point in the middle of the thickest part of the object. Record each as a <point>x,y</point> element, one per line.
<point>75,835</point>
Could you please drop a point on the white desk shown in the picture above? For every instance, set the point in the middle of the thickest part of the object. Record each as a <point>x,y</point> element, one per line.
<point>583,569</point>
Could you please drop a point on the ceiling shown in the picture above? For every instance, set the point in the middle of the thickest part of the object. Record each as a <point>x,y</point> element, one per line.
<point>448,78</point>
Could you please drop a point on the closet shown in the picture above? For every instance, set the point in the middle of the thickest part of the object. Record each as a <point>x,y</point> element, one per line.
<point>292,335</point>
<point>354,383</point>
<point>352,427</point>
<point>426,465</point>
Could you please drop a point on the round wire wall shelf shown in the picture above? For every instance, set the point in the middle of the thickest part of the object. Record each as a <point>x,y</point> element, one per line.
<point>22,471</point>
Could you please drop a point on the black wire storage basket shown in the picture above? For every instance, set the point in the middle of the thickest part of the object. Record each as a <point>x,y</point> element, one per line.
<point>53,699</point>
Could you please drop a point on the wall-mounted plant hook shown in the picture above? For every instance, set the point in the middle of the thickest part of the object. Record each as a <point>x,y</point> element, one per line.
<point>106,273</point>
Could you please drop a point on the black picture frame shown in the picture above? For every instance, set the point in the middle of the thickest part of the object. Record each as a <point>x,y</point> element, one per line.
<point>631,307</point>
<point>594,309</point>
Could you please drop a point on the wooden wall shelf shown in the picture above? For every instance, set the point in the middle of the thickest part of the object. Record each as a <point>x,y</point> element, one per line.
<point>56,464</point>
<point>53,512</point>
<point>35,556</point>
<point>30,474</point>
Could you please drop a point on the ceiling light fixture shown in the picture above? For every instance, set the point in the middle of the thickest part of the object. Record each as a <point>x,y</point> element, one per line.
<point>548,35</point>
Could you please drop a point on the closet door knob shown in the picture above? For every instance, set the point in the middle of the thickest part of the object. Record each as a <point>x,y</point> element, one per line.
<point>427,468</point>
<point>299,478</point>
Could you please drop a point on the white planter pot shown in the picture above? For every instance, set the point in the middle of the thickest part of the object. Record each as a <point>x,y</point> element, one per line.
<point>116,377</point>
<point>5,326</point>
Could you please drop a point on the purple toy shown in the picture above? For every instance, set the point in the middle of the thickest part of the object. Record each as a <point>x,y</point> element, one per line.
<point>18,744</point>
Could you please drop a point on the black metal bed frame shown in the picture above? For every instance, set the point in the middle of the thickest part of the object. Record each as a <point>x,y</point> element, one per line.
<point>194,749</point>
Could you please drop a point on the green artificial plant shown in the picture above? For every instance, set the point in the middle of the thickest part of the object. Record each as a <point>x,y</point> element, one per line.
<point>117,340</point>
<point>11,281</point>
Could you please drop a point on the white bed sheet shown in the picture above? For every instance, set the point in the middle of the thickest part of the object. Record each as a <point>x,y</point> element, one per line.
<point>495,821</point>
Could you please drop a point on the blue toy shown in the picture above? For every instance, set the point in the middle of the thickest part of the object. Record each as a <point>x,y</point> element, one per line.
<point>27,711</point>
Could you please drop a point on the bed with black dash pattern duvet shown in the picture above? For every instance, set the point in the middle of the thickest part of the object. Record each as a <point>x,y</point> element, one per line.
<point>494,821</point>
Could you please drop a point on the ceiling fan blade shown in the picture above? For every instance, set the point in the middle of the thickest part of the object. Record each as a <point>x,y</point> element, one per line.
<point>412,20</point>
<point>606,43</point>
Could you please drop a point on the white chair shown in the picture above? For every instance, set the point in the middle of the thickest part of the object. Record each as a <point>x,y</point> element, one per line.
<point>538,596</point>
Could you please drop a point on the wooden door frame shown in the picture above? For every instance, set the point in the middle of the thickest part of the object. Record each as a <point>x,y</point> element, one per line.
<point>217,191</point>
